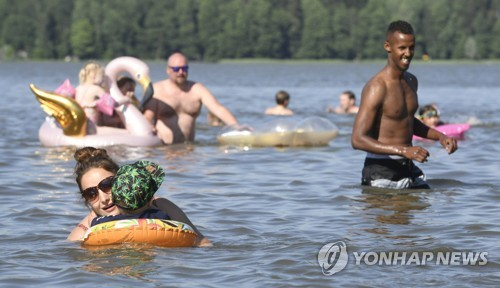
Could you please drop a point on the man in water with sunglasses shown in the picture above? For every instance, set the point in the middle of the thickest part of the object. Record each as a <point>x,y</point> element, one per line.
<point>385,123</point>
<point>177,103</point>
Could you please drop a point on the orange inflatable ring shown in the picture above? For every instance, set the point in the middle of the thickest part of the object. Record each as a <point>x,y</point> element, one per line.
<point>164,233</point>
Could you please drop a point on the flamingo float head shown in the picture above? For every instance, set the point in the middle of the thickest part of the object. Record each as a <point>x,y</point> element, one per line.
<point>137,69</point>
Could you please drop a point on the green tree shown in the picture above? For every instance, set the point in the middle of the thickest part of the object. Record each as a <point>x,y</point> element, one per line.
<point>43,46</point>
<point>209,22</point>
<point>82,39</point>
<point>284,29</point>
<point>120,27</point>
<point>292,10</point>
<point>316,31</point>
<point>19,25</point>
<point>483,21</point>
<point>442,29</point>
<point>187,40</point>
<point>87,40</point>
<point>4,11</point>
<point>342,21</point>
<point>236,40</point>
<point>53,29</point>
<point>267,30</point>
<point>215,29</point>
<point>60,11</point>
<point>495,41</point>
<point>19,32</point>
<point>159,33</point>
<point>369,34</point>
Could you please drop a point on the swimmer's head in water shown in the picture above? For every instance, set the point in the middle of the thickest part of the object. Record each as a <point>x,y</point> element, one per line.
<point>428,111</point>
<point>429,114</point>
<point>282,97</point>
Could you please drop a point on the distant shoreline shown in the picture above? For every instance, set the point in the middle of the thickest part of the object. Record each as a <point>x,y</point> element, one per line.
<point>338,61</point>
<point>274,61</point>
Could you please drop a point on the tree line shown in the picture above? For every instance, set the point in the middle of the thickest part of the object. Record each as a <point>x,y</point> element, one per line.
<point>210,30</point>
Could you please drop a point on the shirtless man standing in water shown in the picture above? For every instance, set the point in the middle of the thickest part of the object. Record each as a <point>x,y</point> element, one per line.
<point>385,123</point>
<point>177,103</point>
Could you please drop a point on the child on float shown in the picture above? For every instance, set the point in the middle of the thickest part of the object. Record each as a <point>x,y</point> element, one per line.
<point>90,89</point>
<point>132,192</point>
<point>127,87</point>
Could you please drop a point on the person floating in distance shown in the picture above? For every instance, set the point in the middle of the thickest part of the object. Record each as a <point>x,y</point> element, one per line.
<point>281,108</point>
<point>347,104</point>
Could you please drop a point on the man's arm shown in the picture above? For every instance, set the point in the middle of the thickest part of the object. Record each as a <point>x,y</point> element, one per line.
<point>149,112</point>
<point>214,106</point>
<point>422,130</point>
<point>362,138</point>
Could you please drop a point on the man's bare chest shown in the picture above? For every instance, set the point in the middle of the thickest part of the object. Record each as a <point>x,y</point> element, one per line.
<point>400,102</point>
<point>179,104</point>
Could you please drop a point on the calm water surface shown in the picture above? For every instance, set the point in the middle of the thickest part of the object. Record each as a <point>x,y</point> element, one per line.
<point>268,211</point>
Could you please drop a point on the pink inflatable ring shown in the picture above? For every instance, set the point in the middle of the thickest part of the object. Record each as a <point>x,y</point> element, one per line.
<point>456,131</point>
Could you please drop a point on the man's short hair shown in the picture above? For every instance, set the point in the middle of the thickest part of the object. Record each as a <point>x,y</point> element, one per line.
<point>399,26</point>
<point>351,94</point>
<point>282,97</point>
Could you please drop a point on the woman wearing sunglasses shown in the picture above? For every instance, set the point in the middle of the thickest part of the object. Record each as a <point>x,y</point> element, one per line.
<point>94,172</point>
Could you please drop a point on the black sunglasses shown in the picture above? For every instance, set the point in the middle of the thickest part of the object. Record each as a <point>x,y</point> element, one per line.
<point>177,68</point>
<point>90,194</point>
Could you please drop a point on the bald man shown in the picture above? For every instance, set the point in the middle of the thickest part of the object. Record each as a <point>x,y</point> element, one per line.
<point>177,103</point>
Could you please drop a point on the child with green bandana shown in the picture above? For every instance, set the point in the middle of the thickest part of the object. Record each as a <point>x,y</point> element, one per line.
<point>132,192</point>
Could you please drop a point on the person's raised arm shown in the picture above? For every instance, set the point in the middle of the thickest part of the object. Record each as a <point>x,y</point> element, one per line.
<point>214,106</point>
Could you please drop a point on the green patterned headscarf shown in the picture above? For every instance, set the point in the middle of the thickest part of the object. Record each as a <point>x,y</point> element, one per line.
<point>135,184</point>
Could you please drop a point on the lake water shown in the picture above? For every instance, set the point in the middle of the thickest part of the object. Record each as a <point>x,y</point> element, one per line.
<point>268,211</point>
